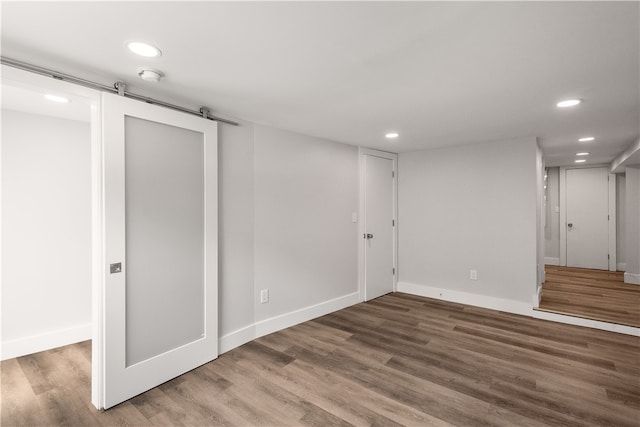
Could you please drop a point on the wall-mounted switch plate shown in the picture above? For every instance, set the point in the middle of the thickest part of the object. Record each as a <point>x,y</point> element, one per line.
<point>264,296</point>
<point>354,217</point>
<point>473,274</point>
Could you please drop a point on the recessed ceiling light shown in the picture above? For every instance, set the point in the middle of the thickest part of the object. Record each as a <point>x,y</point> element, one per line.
<point>392,135</point>
<point>143,49</point>
<point>586,139</point>
<point>582,154</point>
<point>580,161</point>
<point>568,103</point>
<point>56,98</point>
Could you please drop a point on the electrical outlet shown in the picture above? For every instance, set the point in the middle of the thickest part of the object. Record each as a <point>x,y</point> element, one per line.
<point>473,274</point>
<point>264,296</point>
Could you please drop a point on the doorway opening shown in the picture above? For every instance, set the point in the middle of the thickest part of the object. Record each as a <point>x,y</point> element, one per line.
<point>583,233</point>
<point>46,218</point>
<point>51,256</point>
<point>63,224</point>
<point>377,240</point>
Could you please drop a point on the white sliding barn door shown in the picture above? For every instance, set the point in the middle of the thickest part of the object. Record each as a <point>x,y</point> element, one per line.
<point>160,299</point>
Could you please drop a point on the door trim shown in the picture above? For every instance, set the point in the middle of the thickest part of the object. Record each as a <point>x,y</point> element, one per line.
<point>362,151</point>
<point>613,256</point>
<point>611,211</point>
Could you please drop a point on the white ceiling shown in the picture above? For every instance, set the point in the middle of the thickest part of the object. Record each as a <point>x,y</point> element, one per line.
<point>32,101</point>
<point>439,73</point>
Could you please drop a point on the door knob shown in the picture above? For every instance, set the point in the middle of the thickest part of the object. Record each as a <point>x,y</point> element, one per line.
<point>570,225</point>
<point>368,236</point>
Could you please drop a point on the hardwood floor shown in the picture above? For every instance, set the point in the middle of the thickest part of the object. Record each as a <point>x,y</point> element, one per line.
<point>594,294</point>
<point>397,360</point>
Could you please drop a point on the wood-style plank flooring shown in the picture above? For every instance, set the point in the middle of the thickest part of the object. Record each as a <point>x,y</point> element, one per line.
<point>593,294</point>
<point>397,360</point>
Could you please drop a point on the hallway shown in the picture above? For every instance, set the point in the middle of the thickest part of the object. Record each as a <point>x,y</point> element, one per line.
<point>592,294</point>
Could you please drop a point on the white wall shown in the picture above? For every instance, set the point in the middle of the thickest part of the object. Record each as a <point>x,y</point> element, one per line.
<point>286,202</point>
<point>236,227</point>
<point>470,207</point>
<point>46,232</point>
<point>621,221</point>
<point>552,225</point>
<point>632,232</point>
<point>305,242</point>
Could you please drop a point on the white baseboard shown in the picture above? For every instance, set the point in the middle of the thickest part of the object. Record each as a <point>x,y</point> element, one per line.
<point>510,306</point>
<point>236,338</point>
<point>537,297</point>
<point>621,266</point>
<point>264,327</point>
<point>551,261</point>
<point>46,341</point>
<point>34,344</point>
<point>631,278</point>
<point>483,301</point>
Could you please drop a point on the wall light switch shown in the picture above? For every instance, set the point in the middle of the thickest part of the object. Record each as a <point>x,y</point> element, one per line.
<point>354,217</point>
<point>557,209</point>
<point>473,274</point>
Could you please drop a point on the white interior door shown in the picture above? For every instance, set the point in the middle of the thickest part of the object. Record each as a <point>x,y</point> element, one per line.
<point>379,223</point>
<point>160,232</point>
<point>587,218</point>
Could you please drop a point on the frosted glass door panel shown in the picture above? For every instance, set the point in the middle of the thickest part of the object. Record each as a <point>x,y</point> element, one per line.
<point>165,232</point>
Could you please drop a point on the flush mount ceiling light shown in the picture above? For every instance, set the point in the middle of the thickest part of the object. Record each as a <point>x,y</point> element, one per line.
<point>56,98</point>
<point>580,161</point>
<point>582,154</point>
<point>391,135</point>
<point>568,103</point>
<point>143,49</point>
<point>150,75</point>
<point>586,139</point>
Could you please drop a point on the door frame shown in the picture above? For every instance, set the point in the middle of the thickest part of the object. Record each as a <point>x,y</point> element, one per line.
<point>362,151</point>
<point>611,211</point>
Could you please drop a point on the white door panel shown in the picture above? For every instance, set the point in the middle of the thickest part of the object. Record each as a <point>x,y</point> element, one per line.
<point>587,218</point>
<point>160,205</point>
<point>379,236</point>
